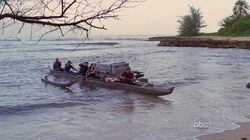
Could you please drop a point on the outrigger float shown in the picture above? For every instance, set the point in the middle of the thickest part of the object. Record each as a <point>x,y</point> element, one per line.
<point>144,87</point>
<point>248,85</point>
<point>58,84</point>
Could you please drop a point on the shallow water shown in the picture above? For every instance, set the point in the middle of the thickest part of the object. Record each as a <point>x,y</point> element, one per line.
<point>210,88</point>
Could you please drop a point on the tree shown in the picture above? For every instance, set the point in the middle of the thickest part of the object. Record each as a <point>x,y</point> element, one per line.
<point>228,21</point>
<point>241,8</point>
<point>238,23</point>
<point>190,25</point>
<point>77,16</point>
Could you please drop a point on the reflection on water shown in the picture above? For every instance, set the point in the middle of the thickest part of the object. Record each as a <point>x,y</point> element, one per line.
<point>210,84</point>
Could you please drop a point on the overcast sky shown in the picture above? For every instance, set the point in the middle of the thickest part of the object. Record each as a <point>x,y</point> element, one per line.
<point>159,17</point>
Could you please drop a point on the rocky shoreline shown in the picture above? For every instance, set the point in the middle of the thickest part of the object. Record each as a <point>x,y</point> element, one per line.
<point>204,41</point>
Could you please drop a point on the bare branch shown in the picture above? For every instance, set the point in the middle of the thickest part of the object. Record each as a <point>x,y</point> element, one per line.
<point>3,8</point>
<point>61,31</point>
<point>53,30</point>
<point>21,28</point>
<point>65,10</point>
<point>9,6</point>
<point>76,16</point>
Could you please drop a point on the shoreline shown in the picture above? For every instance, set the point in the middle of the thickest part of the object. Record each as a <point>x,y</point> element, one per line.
<point>240,133</point>
<point>203,41</point>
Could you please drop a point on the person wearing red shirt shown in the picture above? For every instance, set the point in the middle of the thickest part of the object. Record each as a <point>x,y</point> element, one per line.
<point>128,77</point>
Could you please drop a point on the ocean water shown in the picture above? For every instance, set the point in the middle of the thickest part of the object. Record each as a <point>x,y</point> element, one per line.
<point>210,94</point>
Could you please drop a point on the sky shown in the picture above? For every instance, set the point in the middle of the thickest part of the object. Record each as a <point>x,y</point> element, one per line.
<point>159,17</point>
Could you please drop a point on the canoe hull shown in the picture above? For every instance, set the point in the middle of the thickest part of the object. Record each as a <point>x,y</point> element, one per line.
<point>117,85</point>
<point>121,86</point>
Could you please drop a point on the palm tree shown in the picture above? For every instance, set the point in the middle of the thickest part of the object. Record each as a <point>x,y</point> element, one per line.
<point>241,8</point>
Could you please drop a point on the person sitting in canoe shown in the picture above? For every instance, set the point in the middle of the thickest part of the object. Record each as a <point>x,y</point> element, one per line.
<point>92,71</point>
<point>83,68</point>
<point>69,66</point>
<point>128,77</point>
<point>57,66</point>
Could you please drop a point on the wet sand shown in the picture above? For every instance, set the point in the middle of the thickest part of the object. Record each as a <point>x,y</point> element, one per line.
<point>240,133</point>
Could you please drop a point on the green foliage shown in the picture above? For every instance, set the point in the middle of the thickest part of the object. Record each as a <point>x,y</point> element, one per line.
<point>241,8</point>
<point>228,21</point>
<point>190,25</point>
<point>239,23</point>
<point>236,27</point>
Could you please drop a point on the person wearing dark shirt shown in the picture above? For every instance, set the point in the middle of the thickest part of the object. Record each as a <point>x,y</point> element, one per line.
<point>57,66</point>
<point>128,77</point>
<point>68,66</point>
<point>83,68</point>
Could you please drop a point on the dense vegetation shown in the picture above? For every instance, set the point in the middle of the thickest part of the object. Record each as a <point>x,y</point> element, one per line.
<point>190,25</point>
<point>237,24</point>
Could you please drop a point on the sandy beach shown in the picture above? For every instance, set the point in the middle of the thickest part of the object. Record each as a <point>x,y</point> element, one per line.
<point>240,133</point>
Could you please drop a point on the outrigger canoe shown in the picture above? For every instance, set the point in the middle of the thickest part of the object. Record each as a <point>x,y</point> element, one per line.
<point>158,91</point>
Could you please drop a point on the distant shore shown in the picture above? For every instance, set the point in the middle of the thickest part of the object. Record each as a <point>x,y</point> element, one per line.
<point>241,133</point>
<point>204,41</point>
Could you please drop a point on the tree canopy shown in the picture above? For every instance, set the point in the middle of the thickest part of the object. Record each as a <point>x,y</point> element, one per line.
<point>190,24</point>
<point>241,8</point>
<point>238,24</point>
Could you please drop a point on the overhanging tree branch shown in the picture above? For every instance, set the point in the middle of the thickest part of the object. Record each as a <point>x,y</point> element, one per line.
<point>73,14</point>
